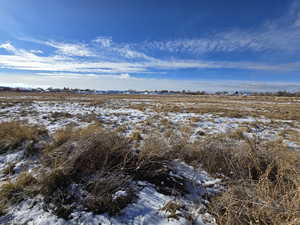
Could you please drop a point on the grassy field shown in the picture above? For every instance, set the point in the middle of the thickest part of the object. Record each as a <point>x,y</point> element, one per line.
<point>141,159</point>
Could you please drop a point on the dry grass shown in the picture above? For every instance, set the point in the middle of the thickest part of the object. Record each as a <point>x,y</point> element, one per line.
<point>60,115</point>
<point>14,135</point>
<point>93,160</point>
<point>121,129</point>
<point>136,136</point>
<point>154,147</point>
<point>61,136</point>
<point>195,119</point>
<point>166,123</point>
<point>3,209</point>
<point>9,169</point>
<point>171,208</point>
<point>101,164</point>
<point>263,178</point>
<point>262,187</point>
<point>89,118</point>
<point>228,106</point>
<point>261,202</point>
<point>140,107</point>
<point>15,191</point>
<point>291,135</point>
<point>264,181</point>
<point>103,197</point>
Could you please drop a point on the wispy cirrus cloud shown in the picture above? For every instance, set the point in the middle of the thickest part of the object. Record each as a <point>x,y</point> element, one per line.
<point>119,50</point>
<point>18,52</point>
<point>268,39</point>
<point>280,35</point>
<point>20,59</point>
<point>70,49</point>
<point>190,64</point>
<point>104,42</point>
<point>62,75</point>
<point>104,56</point>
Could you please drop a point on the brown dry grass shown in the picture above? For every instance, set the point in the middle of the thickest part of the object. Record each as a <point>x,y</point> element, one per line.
<point>102,163</point>
<point>171,208</point>
<point>291,135</point>
<point>14,134</point>
<point>9,169</point>
<point>136,136</point>
<point>264,181</point>
<point>263,178</point>
<point>88,158</point>
<point>13,192</point>
<point>231,106</point>
<point>61,136</point>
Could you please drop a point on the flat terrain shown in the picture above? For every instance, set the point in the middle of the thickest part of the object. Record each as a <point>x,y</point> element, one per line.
<point>268,117</point>
<point>174,131</point>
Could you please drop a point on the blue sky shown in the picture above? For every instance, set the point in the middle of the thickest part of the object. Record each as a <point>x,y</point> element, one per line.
<point>136,44</point>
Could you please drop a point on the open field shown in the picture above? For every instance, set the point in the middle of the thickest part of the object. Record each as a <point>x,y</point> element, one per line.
<point>141,159</point>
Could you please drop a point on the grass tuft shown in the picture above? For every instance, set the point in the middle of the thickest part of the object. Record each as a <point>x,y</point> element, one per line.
<point>14,135</point>
<point>14,192</point>
<point>264,181</point>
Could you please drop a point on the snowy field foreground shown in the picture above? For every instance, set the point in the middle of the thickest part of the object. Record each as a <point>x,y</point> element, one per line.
<point>180,189</point>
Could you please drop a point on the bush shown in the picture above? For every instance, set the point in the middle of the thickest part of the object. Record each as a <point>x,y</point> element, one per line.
<point>93,163</point>
<point>102,164</point>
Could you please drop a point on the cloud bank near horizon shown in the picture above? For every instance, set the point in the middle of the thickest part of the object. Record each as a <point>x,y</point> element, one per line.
<point>126,82</point>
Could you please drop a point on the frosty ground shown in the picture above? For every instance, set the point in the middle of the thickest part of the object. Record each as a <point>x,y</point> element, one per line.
<point>171,119</point>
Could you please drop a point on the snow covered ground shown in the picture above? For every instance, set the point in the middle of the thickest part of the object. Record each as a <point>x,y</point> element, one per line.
<point>121,115</point>
<point>116,113</point>
<point>150,208</point>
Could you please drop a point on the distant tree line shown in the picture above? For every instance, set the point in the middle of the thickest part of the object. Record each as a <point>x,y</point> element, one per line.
<point>278,93</point>
<point>184,92</point>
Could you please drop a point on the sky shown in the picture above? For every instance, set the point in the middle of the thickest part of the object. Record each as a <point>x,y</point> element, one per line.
<point>204,45</point>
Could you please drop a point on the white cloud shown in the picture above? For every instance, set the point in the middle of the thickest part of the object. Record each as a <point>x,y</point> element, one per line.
<point>20,59</point>
<point>198,64</point>
<point>131,54</point>
<point>105,56</point>
<point>124,76</point>
<point>21,53</point>
<point>281,35</point>
<point>269,38</point>
<point>62,75</point>
<point>115,61</point>
<point>36,51</point>
<point>104,41</point>
<point>70,49</point>
<point>8,47</point>
<point>120,50</point>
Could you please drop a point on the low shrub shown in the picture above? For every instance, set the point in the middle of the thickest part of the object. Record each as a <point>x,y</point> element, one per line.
<point>92,162</point>
<point>102,164</point>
